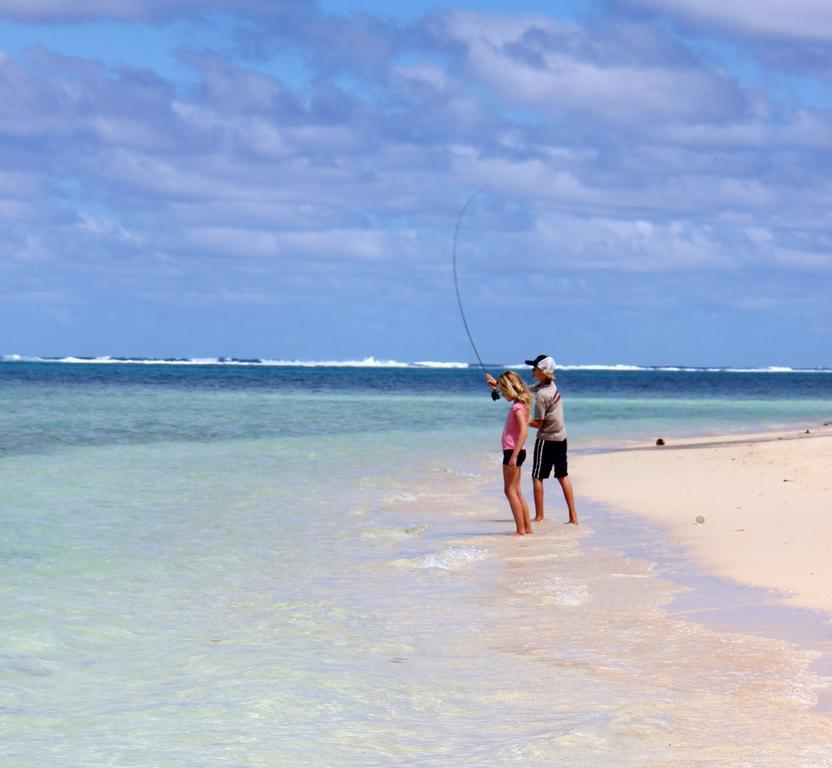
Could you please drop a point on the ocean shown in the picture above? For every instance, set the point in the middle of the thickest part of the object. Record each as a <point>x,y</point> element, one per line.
<point>266,563</point>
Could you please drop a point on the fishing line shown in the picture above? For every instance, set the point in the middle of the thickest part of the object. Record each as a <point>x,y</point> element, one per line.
<point>456,279</point>
<point>494,394</point>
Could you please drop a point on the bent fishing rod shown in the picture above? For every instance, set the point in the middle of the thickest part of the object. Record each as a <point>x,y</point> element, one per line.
<point>494,394</point>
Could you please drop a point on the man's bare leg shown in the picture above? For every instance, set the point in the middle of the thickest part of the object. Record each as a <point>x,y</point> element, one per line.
<point>566,485</point>
<point>537,487</point>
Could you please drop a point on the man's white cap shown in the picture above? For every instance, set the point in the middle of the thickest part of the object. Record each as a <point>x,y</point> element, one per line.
<point>543,363</point>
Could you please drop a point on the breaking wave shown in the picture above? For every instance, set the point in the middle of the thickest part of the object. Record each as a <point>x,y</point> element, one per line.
<point>373,362</point>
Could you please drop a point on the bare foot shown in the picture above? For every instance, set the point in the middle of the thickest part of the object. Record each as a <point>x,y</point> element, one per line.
<point>571,522</point>
<point>538,519</point>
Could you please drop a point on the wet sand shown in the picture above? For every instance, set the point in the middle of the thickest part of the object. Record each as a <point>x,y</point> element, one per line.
<point>752,508</point>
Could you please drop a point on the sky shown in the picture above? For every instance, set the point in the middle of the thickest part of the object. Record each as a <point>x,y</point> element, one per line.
<point>282,179</point>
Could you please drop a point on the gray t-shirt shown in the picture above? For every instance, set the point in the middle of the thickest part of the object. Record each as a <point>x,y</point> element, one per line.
<point>548,408</point>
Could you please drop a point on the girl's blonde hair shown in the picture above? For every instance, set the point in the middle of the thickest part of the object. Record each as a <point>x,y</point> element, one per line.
<point>514,388</point>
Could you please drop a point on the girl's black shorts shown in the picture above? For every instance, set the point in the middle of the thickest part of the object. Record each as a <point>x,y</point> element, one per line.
<point>521,457</point>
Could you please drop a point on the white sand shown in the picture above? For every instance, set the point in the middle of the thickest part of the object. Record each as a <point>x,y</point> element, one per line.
<point>766,502</point>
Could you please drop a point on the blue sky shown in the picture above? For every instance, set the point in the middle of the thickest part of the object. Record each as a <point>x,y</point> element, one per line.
<point>281,179</point>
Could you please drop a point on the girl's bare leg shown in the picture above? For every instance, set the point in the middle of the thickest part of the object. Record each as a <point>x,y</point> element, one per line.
<point>513,502</point>
<point>518,491</point>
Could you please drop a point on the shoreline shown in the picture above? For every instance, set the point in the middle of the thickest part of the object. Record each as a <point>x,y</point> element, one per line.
<point>798,432</point>
<point>747,508</point>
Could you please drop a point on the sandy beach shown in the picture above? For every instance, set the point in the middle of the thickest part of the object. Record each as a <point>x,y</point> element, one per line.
<point>752,508</point>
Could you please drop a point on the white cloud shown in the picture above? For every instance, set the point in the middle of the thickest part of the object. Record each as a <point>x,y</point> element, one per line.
<point>289,247</point>
<point>70,11</point>
<point>424,74</point>
<point>633,245</point>
<point>808,128</point>
<point>559,70</point>
<point>109,229</point>
<point>796,19</point>
<point>61,10</point>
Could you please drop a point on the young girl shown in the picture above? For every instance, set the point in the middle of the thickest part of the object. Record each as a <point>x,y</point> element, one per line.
<point>516,428</point>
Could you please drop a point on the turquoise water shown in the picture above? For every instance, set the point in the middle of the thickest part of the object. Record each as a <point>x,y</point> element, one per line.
<point>293,567</point>
<point>48,405</point>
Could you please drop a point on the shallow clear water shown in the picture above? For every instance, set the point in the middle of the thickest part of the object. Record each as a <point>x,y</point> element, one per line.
<point>292,568</point>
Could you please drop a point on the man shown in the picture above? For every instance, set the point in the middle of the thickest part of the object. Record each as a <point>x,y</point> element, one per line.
<point>550,446</point>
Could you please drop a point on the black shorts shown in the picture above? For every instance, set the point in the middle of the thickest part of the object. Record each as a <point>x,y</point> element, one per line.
<point>521,457</point>
<point>548,454</point>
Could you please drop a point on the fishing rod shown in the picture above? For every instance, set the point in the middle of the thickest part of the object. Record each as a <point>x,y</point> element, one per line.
<point>494,394</point>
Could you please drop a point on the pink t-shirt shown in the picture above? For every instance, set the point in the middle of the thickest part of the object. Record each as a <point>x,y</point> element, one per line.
<point>511,431</point>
